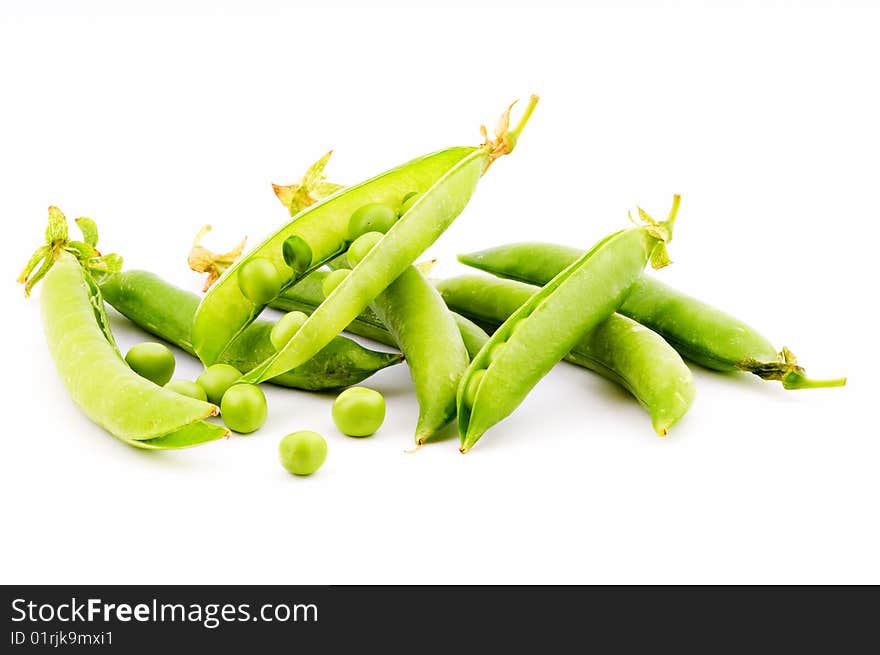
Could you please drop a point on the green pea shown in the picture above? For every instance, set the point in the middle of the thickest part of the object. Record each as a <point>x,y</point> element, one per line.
<point>361,246</point>
<point>303,452</point>
<point>243,408</point>
<point>408,201</point>
<point>187,388</point>
<point>358,411</point>
<point>285,328</point>
<point>216,379</point>
<point>297,254</point>
<point>259,281</point>
<point>333,280</point>
<point>473,386</point>
<point>496,351</point>
<point>152,361</point>
<point>374,217</point>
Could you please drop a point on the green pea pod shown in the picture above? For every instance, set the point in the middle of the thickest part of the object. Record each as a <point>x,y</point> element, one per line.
<point>441,198</point>
<point>319,233</point>
<point>167,312</point>
<point>549,325</point>
<point>306,295</point>
<point>698,331</point>
<point>225,312</point>
<point>619,349</point>
<point>128,406</point>
<point>420,323</point>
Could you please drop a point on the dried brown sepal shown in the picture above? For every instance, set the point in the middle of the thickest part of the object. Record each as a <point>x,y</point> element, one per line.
<point>309,190</point>
<point>202,260</point>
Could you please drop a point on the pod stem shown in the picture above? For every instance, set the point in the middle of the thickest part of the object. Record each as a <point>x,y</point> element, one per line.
<point>787,371</point>
<point>660,230</point>
<point>58,241</point>
<point>505,139</point>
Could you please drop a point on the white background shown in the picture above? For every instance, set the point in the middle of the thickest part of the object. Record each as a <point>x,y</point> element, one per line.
<point>764,117</point>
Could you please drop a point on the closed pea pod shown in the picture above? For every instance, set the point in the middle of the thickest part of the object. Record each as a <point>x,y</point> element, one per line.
<point>319,233</point>
<point>167,312</point>
<point>698,331</point>
<point>128,406</point>
<point>619,349</point>
<point>550,323</point>
<point>434,210</point>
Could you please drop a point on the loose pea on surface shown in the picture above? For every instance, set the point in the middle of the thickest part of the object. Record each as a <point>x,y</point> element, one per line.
<point>243,408</point>
<point>303,452</point>
<point>374,217</point>
<point>152,361</point>
<point>359,411</point>
<point>286,327</point>
<point>187,388</point>
<point>259,281</point>
<point>333,280</point>
<point>361,246</point>
<point>216,379</point>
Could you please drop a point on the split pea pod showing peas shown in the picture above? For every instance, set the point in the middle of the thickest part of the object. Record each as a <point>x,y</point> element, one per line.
<point>698,331</point>
<point>416,318</point>
<point>444,181</point>
<point>618,349</point>
<point>130,407</point>
<point>167,312</point>
<point>550,323</point>
<point>306,295</point>
<point>318,233</point>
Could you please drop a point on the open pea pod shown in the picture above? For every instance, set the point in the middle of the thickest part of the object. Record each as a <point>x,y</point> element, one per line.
<point>444,191</point>
<point>319,234</point>
<point>130,407</point>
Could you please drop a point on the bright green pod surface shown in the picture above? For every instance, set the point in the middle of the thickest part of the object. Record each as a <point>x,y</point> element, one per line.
<point>619,349</point>
<point>546,328</point>
<point>128,406</point>
<point>435,209</point>
<point>698,331</point>
<point>425,330</point>
<point>167,311</point>
<point>225,312</point>
<point>306,295</point>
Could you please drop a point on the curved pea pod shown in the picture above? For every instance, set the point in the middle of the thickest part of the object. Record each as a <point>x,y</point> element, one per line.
<point>128,406</point>
<point>320,234</point>
<point>550,323</point>
<point>698,331</point>
<point>167,312</point>
<point>618,349</point>
<point>425,330</point>
<point>440,201</point>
